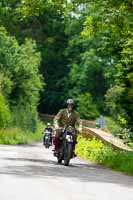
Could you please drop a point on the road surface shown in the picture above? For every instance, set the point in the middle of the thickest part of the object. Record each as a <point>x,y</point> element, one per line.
<point>31,173</point>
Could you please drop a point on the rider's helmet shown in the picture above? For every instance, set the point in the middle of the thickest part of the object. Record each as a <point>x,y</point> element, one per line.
<point>70,101</point>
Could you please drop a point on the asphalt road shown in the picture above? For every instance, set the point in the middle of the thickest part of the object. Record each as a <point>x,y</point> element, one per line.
<point>31,173</point>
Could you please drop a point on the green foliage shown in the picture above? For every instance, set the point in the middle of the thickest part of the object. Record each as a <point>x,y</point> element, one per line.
<point>90,68</point>
<point>114,29</point>
<point>86,48</point>
<point>95,150</point>
<point>85,106</point>
<point>18,136</point>
<point>118,130</point>
<point>113,97</point>
<point>27,118</point>
<point>127,136</point>
<point>20,63</point>
<point>30,7</point>
<point>5,116</point>
<point>126,77</point>
<point>112,126</point>
<point>20,79</point>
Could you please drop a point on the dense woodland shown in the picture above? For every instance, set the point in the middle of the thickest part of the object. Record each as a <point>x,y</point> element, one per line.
<point>54,49</point>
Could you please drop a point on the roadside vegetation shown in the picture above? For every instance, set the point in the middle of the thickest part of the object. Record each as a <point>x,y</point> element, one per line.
<point>119,131</point>
<point>95,150</point>
<point>20,85</point>
<point>53,50</point>
<point>112,126</point>
<point>15,136</point>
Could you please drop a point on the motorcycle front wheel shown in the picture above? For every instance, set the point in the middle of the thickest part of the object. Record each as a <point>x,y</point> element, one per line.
<point>68,153</point>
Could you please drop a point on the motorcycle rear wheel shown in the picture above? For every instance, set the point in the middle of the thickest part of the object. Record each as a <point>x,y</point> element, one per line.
<point>47,146</point>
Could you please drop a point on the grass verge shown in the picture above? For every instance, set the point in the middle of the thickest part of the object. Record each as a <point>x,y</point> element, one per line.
<point>95,150</point>
<point>16,136</point>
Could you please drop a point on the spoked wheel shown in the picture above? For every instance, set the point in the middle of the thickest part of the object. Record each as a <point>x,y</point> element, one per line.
<point>68,153</point>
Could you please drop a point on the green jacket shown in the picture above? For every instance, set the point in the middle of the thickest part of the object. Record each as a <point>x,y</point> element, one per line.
<point>62,119</point>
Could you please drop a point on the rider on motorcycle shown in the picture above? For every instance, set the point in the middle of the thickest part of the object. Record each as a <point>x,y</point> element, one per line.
<point>65,118</point>
<point>48,130</point>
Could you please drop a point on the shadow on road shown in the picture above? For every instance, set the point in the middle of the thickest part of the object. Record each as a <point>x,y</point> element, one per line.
<point>42,168</point>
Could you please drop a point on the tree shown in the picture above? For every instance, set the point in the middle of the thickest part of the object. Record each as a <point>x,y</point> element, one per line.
<point>20,79</point>
<point>86,48</point>
<point>111,21</point>
<point>5,116</point>
<point>85,106</point>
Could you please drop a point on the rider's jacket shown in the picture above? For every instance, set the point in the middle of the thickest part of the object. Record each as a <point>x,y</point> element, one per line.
<point>65,119</point>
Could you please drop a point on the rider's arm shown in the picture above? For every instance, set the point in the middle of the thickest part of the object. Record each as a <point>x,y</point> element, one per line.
<point>57,118</point>
<point>43,130</point>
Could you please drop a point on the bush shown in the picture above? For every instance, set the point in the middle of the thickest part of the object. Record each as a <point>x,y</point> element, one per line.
<point>15,136</point>
<point>127,135</point>
<point>4,113</point>
<point>95,150</point>
<point>112,126</point>
<point>27,118</point>
<point>86,107</point>
<point>20,81</point>
<point>117,129</point>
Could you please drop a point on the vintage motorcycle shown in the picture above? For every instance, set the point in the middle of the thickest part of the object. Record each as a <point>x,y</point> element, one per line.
<point>47,139</point>
<point>67,145</point>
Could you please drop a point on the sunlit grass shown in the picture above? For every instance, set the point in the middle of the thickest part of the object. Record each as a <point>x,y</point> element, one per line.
<point>18,136</point>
